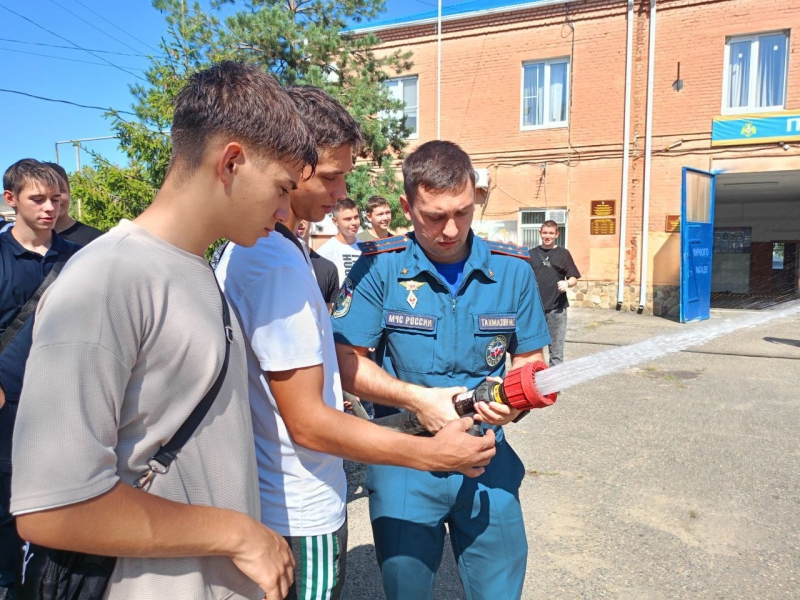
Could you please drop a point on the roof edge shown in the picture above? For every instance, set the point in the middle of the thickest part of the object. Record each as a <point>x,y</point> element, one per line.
<point>458,16</point>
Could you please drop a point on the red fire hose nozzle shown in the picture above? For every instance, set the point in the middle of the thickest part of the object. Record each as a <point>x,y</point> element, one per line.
<point>520,391</point>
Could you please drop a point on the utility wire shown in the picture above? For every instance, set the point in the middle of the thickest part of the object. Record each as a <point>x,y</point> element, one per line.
<point>76,60</point>
<point>68,47</point>
<point>93,26</point>
<point>115,26</point>
<point>105,109</point>
<point>70,42</point>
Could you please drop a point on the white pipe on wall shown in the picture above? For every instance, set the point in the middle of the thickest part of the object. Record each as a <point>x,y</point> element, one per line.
<point>648,158</point>
<point>439,75</point>
<point>626,145</point>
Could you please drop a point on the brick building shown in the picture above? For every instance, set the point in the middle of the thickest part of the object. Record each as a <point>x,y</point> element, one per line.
<point>535,92</point>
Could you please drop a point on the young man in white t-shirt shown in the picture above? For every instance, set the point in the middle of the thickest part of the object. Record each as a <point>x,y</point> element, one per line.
<point>130,338</point>
<point>294,384</point>
<point>342,249</point>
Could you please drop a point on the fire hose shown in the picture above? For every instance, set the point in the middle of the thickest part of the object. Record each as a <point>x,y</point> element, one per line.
<point>517,390</point>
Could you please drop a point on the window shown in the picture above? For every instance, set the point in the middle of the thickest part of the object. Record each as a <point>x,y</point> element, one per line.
<point>755,73</point>
<point>530,222</point>
<point>545,93</point>
<point>405,90</point>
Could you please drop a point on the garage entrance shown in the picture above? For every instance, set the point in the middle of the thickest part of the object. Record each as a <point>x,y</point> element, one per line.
<point>756,263</point>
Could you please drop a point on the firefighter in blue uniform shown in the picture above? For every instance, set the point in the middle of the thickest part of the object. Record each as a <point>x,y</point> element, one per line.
<point>442,308</point>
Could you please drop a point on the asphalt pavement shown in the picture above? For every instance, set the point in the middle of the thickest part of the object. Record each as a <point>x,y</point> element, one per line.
<point>678,478</point>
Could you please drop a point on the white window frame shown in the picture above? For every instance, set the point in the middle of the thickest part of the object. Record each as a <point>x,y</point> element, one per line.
<point>563,227</point>
<point>400,113</point>
<point>754,40</point>
<point>547,63</point>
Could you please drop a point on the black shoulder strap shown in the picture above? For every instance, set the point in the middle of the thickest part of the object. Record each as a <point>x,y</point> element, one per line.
<point>161,460</point>
<point>284,231</point>
<point>540,254</point>
<point>30,306</point>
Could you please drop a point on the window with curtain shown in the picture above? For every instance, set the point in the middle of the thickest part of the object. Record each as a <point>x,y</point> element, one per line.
<point>405,89</point>
<point>755,73</point>
<point>545,93</point>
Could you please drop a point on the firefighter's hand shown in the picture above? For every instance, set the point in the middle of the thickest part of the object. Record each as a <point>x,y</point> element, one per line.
<point>494,413</point>
<point>434,407</point>
<point>458,451</point>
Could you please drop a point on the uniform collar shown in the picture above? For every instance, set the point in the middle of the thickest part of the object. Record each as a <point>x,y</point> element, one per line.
<point>415,260</point>
<point>57,245</point>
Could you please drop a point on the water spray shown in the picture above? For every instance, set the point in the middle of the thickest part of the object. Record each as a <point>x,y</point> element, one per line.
<point>536,386</point>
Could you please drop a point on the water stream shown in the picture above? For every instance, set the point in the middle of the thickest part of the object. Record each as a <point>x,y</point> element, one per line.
<point>581,370</point>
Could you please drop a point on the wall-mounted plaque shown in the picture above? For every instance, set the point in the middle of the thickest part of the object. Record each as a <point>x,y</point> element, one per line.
<point>673,224</point>
<point>602,226</point>
<point>604,208</point>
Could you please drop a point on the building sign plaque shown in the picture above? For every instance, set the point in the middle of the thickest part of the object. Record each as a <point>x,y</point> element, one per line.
<point>604,208</point>
<point>764,128</point>
<point>673,224</point>
<point>603,227</point>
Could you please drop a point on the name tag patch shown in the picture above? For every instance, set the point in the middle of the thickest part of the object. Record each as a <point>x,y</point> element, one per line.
<point>497,322</point>
<point>397,318</point>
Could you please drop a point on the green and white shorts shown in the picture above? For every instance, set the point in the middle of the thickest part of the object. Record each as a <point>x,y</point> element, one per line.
<point>320,562</point>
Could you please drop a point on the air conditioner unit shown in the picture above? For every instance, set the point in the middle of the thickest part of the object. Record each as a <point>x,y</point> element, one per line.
<point>559,216</point>
<point>482,179</point>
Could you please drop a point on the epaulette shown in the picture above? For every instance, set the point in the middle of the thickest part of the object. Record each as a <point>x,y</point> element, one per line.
<point>392,244</point>
<point>507,249</point>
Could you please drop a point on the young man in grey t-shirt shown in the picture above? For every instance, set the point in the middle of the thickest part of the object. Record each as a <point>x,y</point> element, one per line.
<point>130,338</point>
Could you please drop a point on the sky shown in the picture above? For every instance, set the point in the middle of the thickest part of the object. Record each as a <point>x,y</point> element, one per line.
<point>119,36</point>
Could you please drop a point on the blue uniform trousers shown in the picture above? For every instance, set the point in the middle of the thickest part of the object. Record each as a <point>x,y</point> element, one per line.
<point>409,509</point>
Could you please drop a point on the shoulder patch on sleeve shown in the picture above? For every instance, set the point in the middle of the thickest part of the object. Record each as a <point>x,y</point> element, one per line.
<point>392,244</point>
<point>507,249</point>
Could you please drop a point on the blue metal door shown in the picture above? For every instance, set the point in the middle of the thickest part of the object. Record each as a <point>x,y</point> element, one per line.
<point>697,244</point>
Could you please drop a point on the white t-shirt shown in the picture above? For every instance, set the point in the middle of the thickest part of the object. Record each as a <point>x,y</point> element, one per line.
<point>128,339</point>
<point>286,323</point>
<point>344,256</point>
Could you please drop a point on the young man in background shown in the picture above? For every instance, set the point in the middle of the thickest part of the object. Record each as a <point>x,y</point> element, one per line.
<point>28,253</point>
<point>555,273</point>
<point>342,249</point>
<point>66,226</point>
<point>379,215</point>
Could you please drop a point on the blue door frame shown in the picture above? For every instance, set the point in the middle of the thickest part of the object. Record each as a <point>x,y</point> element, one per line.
<point>697,243</point>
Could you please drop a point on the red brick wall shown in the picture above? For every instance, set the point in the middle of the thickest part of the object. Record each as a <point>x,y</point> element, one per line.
<point>571,166</point>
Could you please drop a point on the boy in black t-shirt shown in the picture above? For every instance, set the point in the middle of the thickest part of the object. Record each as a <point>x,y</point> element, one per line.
<point>555,272</point>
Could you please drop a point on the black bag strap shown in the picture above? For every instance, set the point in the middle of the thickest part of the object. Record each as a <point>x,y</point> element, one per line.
<point>160,462</point>
<point>284,231</point>
<point>540,254</point>
<point>30,306</point>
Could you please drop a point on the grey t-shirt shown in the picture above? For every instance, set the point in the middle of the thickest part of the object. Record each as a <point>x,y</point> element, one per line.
<point>127,341</point>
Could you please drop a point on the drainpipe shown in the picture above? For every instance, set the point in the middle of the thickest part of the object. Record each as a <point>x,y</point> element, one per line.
<point>648,152</point>
<point>623,211</point>
<point>439,73</point>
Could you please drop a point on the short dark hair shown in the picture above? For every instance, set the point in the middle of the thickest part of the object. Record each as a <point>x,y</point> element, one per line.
<point>29,170</point>
<point>437,166</point>
<point>245,103</point>
<point>343,204</point>
<point>329,121</point>
<point>550,223</point>
<point>62,173</point>
<point>376,201</point>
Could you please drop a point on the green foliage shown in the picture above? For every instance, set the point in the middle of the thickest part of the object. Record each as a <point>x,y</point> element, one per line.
<point>298,41</point>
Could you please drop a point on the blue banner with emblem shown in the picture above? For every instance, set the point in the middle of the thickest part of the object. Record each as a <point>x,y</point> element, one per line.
<point>762,128</point>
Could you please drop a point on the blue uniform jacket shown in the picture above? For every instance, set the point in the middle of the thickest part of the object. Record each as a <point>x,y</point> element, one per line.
<point>395,301</point>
